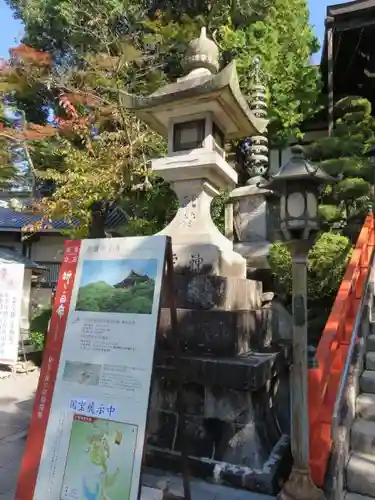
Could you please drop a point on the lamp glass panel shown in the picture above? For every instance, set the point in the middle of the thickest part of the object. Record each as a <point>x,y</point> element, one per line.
<point>312,205</point>
<point>218,135</point>
<point>188,135</point>
<point>282,207</point>
<point>296,205</point>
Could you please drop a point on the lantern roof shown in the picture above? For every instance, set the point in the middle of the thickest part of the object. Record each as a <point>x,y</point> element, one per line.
<point>201,90</point>
<point>298,169</point>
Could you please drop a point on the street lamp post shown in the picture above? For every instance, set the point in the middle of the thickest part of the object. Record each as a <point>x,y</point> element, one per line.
<point>297,184</point>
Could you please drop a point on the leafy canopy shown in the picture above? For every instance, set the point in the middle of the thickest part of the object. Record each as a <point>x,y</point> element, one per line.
<point>97,48</point>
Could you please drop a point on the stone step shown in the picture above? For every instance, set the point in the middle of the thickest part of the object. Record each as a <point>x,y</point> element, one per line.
<point>265,479</point>
<point>370,360</point>
<point>365,406</point>
<point>248,372</point>
<point>172,485</point>
<point>363,437</point>
<point>355,496</point>
<point>370,342</point>
<point>220,333</point>
<point>367,381</point>
<point>207,292</point>
<point>360,474</point>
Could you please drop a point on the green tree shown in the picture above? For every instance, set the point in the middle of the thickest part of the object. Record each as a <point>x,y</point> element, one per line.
<point>326,266</point>
<point>243,30</point>
<point>98,48</point>
<point>343,155</point>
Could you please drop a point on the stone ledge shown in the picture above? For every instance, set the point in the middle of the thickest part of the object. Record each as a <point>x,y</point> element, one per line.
<point>248,372</point>
<point>266,480</point>
<point>220,333</point>
<point>215,292</point>
<point>172,486</point>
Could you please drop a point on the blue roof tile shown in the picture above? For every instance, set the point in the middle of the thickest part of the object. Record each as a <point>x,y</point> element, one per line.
<point>11,220</point>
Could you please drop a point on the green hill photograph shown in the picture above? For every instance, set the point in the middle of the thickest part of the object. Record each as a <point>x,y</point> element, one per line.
<point>117,286</point>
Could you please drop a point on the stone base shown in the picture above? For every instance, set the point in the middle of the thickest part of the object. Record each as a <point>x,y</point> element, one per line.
<point>300,487</point>
<point>255,253</point>
<point>249,372</point>
<point>148,493</point>
<point>262,480</point>
<point>220,333</point>
<point>230,383</point>
<point>207,292</point>
<point>208,259</point>
<point>172,486</point>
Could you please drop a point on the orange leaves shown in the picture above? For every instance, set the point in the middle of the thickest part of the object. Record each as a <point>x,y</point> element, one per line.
<point>23,54</point>
<point>85,99</point>
<point>33,132</point>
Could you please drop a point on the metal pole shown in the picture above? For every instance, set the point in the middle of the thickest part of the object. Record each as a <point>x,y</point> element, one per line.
<point>299,485</point>
<point>298,380</point>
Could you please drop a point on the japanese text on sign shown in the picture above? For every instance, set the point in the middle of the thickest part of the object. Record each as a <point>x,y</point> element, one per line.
<point>92,408</point>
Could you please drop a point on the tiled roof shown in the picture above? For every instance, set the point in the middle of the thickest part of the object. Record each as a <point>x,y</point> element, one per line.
<point>11,220</point>
<point>9,255</point>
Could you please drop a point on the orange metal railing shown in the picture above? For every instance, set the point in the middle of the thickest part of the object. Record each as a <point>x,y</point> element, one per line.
<point>332,352</point>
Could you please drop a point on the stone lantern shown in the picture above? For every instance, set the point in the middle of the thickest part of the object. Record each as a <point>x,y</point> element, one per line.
<point>197,115</point>
<point>297,183</point>
<point>250,209</point>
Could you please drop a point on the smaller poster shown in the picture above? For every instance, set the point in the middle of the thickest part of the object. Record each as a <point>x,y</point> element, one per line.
<point>100,459</point>
<point>11,293</point>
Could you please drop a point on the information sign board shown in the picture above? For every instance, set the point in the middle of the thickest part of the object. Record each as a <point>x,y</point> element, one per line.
<point>87,432</point>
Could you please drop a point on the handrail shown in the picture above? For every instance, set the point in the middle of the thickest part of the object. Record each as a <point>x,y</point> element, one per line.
<point>332,352</point>
<point>353,343</point>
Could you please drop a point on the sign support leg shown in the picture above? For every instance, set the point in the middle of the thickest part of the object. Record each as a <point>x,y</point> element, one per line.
<point>180,403</point>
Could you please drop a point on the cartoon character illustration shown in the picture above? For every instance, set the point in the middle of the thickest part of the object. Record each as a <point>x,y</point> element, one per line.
<point>87,492</point>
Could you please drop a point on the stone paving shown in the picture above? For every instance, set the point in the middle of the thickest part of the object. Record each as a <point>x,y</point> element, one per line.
<point>16,401</point>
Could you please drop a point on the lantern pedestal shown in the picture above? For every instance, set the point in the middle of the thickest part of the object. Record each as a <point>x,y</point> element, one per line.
<point>300,487</point>
<point>254,221</point>
<point>198,245</point>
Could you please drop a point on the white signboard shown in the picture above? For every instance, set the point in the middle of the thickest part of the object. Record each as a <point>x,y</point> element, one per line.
<point>88,428</point>
<point>11,293</point>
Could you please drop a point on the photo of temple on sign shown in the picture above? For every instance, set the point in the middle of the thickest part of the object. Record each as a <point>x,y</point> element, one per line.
<point>117,286</point>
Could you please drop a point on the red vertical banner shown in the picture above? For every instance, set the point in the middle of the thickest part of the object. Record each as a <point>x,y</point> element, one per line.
<point>34,445</point>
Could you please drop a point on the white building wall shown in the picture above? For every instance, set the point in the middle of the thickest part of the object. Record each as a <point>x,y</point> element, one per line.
<point>48,249</point>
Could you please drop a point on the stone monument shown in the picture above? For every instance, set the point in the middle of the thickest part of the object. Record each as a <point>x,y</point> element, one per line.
<point>197,114</point>
<point>250,215</point>
<point>234,370</point>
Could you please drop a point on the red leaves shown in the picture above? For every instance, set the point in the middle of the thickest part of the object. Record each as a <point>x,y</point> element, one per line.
<point>33,132</point>
<point>84,99</point>
<point>27,55</point>
<point>68,107</point>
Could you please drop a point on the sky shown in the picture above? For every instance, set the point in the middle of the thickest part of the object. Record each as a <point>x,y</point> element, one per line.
<point>11,30</point>
<point>114,271</point>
